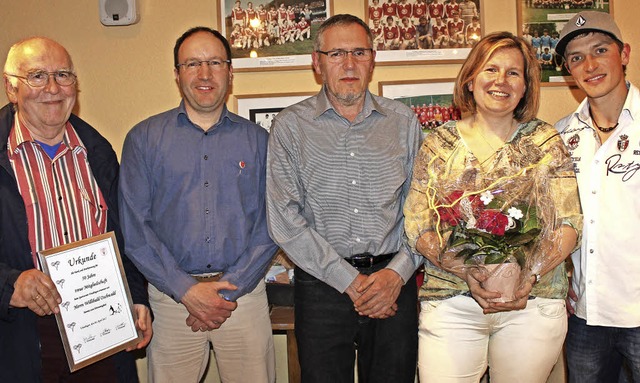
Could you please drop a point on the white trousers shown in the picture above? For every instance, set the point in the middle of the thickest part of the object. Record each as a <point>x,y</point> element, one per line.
<point>457,341</point>
<point>243,345</point>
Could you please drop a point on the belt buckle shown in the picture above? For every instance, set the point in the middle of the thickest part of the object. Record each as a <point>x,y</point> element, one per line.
<point>208,277</point>
<point>363,260</point>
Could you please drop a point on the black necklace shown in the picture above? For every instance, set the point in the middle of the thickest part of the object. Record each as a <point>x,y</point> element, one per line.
<point>604,130</point>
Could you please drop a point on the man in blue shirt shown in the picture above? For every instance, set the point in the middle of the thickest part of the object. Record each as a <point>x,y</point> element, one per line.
<point>193,211</point>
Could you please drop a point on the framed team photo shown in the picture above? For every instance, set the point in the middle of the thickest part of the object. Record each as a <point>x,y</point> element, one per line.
<point>271,35</point>
<point>424,31</point>
<point>431,100</point>
<point>540,23</point>
<point>262,108</point>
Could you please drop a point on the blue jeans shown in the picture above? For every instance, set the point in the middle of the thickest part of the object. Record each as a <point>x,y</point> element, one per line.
<point>329,331</point>
<point>593,352</point>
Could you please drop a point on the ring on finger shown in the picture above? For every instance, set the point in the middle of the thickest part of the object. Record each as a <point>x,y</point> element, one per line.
<point>36,297</point>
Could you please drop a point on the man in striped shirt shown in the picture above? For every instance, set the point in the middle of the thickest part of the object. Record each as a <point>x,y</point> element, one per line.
<point>338,171</point>
<point>58,185</point>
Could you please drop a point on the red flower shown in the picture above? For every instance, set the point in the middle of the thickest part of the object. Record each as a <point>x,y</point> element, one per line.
<point>450,215</point>
<point>492,221</point>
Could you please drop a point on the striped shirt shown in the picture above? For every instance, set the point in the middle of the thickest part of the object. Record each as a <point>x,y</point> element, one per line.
<point>336,188</point>
<point>62,199</point>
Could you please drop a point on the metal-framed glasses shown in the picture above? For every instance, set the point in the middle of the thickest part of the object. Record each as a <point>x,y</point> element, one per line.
<point>193,65</point>
<point>40,78</point>
<point>339,55</point>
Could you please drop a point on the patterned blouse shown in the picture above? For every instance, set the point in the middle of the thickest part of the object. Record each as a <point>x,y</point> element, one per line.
<point>444,151</point>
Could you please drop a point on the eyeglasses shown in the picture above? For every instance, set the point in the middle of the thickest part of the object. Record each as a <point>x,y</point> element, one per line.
<point>339,55</point>
<point>193,65</point>
<point>39,79</point>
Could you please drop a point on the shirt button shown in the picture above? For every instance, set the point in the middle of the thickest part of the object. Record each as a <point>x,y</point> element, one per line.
<point>357,239</point>
<point>591,251</point>
<point>207,239</point>
<point>206,133</point>
<point>593,192</point>
<point>206,184</point>
<point>592,221</point>
<point>60,198</point>
<point>206,157</point>
<point>352,154</point>
<point>597,162</point>
<point>353,182</point>
<point>208,266</point>
<point>355,210</point>
<point>206,211</point>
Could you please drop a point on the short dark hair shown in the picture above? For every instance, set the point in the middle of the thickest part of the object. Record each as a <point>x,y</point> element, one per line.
<point>195,30</point>
<point>340,20</point>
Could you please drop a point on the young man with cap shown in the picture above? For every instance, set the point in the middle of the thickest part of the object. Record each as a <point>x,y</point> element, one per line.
<point>603,136</point>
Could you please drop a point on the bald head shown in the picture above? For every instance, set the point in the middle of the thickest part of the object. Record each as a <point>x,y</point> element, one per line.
<point>25,53</point>
<point>45,107</point>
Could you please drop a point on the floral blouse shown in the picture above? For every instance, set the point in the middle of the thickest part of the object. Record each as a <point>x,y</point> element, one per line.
<point>444,151</point>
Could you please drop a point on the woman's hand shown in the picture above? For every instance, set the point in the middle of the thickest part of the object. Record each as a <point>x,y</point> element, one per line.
<point>519,303</point>
<point>474,278</point>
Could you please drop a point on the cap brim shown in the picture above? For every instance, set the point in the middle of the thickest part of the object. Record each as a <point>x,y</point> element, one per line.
<point>562,44</point>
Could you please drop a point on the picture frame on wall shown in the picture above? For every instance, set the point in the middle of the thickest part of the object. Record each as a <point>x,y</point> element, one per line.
<point>431,100</point>
<point>540,23</point>
<point>262,108</point>
<point>447,33</point>
<point>269,35</point>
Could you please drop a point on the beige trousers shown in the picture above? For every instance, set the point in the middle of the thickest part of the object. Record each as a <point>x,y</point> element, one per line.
<point>243,345</point>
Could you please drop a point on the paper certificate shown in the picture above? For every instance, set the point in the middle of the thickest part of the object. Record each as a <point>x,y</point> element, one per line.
<point>96,316</point>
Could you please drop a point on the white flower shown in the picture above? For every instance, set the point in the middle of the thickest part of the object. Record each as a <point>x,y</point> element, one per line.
<point>486,197</point>
<point>515,213</point>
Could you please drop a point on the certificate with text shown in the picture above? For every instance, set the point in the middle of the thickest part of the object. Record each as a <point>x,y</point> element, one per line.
<point>96,316</point>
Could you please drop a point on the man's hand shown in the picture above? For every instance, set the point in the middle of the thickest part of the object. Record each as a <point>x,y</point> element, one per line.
<point>143,324</point>
<point>352,290</point>
<point>378,294</point>
<point>207,309</point>
<point>36,291</point>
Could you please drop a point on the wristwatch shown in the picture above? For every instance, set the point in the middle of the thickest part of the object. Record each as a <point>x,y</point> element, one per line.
<point>537,276</point>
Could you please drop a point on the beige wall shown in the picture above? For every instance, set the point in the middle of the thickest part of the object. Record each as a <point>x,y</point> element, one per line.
<point>126,72</point>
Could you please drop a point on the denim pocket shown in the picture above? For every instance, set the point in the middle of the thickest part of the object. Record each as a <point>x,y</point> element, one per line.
<point>552,308</point>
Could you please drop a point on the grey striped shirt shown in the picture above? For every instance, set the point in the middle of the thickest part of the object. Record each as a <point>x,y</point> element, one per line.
<point>336,188</point>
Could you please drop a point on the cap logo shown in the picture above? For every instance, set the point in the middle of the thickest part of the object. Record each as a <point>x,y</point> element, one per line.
<point>580,22</point>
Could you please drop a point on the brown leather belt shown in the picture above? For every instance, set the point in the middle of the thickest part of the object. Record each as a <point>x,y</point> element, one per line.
<point>207,277</point>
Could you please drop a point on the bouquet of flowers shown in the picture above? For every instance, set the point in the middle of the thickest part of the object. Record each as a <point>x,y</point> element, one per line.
<point>489,229</point>
<point>501,224</point>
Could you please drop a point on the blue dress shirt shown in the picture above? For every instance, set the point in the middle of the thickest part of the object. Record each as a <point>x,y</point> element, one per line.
<point>193,201</point>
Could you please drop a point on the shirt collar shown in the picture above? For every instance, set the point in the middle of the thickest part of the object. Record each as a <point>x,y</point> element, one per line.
<point>631,106</point>
<point>370,105</point>
<point>20,135</point>
<point>182,113</point>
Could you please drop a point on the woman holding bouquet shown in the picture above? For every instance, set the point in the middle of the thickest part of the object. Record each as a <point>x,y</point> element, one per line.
<point>495,189</point>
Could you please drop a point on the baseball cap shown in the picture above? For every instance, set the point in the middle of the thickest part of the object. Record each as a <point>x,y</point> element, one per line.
<point>584,22</point>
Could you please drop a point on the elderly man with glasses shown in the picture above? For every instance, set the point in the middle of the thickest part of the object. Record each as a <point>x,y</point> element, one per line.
<point>339,167</point>
<point>192,197</point>
<point>58,185</point>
